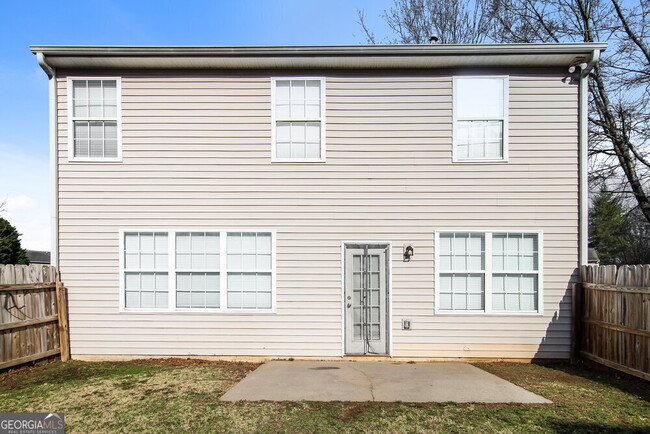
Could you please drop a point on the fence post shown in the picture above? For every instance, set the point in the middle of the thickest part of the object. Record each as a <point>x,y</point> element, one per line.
<point>62,310</point>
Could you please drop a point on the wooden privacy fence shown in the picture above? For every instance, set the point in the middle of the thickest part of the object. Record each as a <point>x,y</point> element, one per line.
<point>612,312</point>
<point>33,314</point>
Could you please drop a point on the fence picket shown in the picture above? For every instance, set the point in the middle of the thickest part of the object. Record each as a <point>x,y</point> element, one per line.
<point>613,318</point>
<point>29,306</point>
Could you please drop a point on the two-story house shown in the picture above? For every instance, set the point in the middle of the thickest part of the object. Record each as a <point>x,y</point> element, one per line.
<point>320,201</point>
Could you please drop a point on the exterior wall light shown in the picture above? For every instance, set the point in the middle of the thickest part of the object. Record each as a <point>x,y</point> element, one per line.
<point>408,253</point>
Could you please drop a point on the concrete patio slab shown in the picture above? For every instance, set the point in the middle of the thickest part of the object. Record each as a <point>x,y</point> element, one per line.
<point>377,381</point>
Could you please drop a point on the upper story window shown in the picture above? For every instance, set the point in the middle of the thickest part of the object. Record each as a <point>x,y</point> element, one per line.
<point>298,119</point>
<point>488,272</point>
<point>94,119</point>
<point>480,118</point>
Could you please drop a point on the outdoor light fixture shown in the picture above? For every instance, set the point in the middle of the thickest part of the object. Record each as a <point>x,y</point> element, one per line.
<point>408,253</point>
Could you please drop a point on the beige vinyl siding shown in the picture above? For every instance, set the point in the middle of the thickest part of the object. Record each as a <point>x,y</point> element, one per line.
<point>197,154</point>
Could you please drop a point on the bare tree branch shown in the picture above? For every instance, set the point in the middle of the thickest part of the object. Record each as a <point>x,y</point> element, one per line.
<point>455,21</point>
<point>361,20</point>
<point>643,160</point>
<point>630,33</point>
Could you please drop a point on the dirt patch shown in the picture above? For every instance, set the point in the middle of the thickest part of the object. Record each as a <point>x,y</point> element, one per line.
<point>353,412</point>
<point>189,362</point>
<point>14,378</point>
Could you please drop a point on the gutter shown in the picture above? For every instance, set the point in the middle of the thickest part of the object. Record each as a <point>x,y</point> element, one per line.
<point>583,146</point>
<point>54,167</point>
<point>317,57</point>
<point>316,50</point>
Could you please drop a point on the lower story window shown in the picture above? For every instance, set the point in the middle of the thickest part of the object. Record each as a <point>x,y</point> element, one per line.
<point>146,270</point>
<point>492,272</point>
<point>198,270</point>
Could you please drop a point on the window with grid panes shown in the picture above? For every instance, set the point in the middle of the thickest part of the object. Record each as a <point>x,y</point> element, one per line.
<point>194,270</point>
<point>515,268</point>
<point>146,270</point>
<point>249,270</point>
<point>298,120</point>
<point>197,270</point>
<point>488,272</point>
<point>462,271</point>
<point>94,119</point>
<point>480,118</point>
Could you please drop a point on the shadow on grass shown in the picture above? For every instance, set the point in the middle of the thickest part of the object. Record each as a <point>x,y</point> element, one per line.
<point>600,374</point>
<point>587,371</point>
<point>560,426</point>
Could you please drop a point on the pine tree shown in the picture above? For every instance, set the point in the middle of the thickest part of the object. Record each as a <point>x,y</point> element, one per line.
<point>638,250</point>
<point>10,250</point>
<point>609,229</point>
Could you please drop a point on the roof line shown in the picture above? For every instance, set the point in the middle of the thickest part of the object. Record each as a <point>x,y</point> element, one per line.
<point>306,50</point>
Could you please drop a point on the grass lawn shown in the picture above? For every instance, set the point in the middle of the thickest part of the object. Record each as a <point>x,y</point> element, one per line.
<point>175,395</point>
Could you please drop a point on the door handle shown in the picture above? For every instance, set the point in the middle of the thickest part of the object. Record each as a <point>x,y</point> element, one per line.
<point>349,305</point>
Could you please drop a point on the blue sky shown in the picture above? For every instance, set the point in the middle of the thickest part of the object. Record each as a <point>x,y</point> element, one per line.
<point>24,140</point>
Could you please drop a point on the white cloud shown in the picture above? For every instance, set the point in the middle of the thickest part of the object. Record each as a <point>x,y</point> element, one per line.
<point>25,185</point>
<point>20,203</point>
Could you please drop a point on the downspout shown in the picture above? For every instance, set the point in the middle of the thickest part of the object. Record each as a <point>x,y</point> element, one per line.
<point>54,160</point>
<point>583,104</point>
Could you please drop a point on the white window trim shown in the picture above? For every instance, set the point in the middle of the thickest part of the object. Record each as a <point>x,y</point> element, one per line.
<point>322,158</point>
<point>223,273</point>
<point>488,273</point>
<point>118,90</point>
<point>506,115</point>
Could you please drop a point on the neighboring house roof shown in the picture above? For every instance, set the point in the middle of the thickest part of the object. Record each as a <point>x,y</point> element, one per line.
<point>333,56</point>
<point>38,257</point>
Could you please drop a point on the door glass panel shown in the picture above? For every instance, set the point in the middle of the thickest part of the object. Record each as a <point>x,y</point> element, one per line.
<point>374,317</point>
<point>374,297</point>
<point>356,280</point>
<point>375,335</point>
<point>374,263</point>
<point>366,298</point>
<point>374,280</point>
<point>357,332</point>
<point>356,263</point>
<point>357,302</point>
